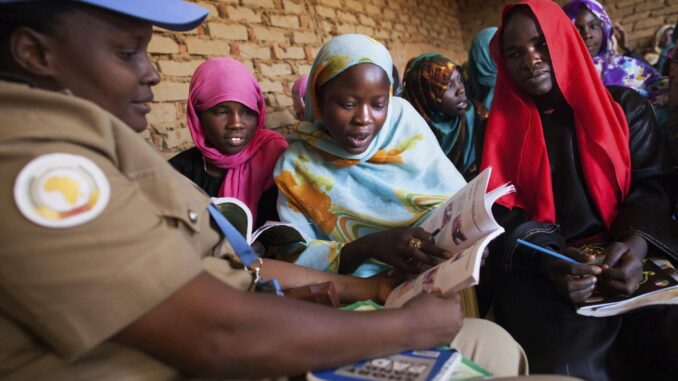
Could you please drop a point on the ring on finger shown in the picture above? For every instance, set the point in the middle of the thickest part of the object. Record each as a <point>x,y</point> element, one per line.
<point>414,243</point>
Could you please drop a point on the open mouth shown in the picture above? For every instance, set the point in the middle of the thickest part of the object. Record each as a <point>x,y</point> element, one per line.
<point>234,140</point>
<point>358,140</point>
<point>462,105</point>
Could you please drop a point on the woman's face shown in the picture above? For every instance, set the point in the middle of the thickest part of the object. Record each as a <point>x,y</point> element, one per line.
<point>354,106</point>
<point>229,126</point>
<point>454,100</point>
<point>591,30</point>
<point>110,67</point>
<point>526,54</point>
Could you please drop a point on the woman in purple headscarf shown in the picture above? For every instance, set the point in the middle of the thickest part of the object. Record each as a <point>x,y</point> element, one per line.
<point>596,30</point>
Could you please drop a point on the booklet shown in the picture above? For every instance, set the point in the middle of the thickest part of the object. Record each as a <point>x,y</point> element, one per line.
<point>457,368</point>
<point>657,287</point>
<point>464,225</point>
<point>427,365</point>
<point>272,233</point>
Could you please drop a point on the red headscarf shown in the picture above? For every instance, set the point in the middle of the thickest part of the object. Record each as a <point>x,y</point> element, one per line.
<point>514,142</point>
<point>250,171</point>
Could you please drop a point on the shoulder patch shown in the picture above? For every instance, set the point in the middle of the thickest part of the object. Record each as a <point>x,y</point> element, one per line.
<point>61,190</point>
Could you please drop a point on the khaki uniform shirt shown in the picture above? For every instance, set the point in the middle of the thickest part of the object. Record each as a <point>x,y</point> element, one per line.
<point>66,290</point>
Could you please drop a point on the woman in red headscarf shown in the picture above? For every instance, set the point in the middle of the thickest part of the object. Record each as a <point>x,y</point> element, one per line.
<point>590,169</point>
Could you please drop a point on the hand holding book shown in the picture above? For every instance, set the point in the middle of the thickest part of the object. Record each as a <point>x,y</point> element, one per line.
<point>622,266</point>
<point>405,248</point>
<point>618,282</point>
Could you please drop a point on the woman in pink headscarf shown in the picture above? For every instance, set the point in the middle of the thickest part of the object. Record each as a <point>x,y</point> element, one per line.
<point>234,154</point>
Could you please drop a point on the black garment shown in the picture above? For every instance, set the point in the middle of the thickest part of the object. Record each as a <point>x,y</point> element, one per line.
<point>190,164</point>
<point>555,338</point>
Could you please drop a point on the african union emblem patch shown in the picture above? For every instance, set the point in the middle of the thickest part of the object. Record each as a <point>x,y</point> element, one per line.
<point>61,190</point>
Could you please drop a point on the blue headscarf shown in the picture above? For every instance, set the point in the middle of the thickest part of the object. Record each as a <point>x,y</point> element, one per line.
<point>336,197</point>
<point>482,72</point>
<point>334,58</point>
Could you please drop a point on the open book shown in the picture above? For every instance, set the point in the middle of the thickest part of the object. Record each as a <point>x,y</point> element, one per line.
<point>464,226</point>
<point>658,286</point>
<point>271,233</point>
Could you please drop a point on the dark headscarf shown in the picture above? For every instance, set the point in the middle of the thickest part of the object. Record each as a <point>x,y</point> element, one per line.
<point>426,80</point>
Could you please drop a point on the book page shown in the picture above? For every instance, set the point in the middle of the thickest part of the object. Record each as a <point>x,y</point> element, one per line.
<point>450,276</point>
<point>466,216</point>
<point>285,233</point>
<point>238,214</point>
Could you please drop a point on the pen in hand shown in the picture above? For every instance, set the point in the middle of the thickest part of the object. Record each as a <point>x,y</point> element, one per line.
<point>549,252</point>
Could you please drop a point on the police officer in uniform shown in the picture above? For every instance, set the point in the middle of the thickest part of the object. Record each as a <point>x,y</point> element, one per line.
<point>110,265</point>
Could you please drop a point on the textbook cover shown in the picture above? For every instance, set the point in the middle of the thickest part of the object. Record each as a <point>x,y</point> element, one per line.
<point>427,365</point>
<point>657,287</point>
<point>464,370</point>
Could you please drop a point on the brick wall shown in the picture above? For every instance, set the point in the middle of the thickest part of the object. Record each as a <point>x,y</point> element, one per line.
<point>640,18</point>
<point>277,40</point>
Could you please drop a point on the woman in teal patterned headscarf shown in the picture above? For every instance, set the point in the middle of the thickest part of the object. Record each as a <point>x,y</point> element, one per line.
<point>434,86</point>
<point>363,170</point>
<point>482,72</point>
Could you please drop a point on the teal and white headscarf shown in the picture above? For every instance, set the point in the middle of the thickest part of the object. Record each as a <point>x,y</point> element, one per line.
<point>336,197</point>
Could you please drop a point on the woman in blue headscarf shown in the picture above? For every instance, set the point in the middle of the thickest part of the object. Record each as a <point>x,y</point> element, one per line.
<point>482,72</point>
<point>364,169</point>
<point>433,85</point>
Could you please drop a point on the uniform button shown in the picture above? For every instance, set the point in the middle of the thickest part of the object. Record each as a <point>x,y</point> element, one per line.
<point>193,216</point>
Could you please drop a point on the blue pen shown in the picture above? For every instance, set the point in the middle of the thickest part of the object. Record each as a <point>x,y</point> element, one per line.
<point>549,252</point>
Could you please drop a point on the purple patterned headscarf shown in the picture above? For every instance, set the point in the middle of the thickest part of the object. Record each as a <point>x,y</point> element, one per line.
<point>616,69</point>
<point>572,10</point>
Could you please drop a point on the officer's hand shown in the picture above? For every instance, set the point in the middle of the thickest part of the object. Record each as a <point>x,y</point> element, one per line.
<point>439,319</point>
<point>575,282</point>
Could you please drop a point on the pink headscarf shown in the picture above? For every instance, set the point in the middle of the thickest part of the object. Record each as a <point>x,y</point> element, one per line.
<point>250,172</point>
<point>299,86</point>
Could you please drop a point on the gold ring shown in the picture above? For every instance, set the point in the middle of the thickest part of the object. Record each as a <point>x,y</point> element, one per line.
<point>414,243</point>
